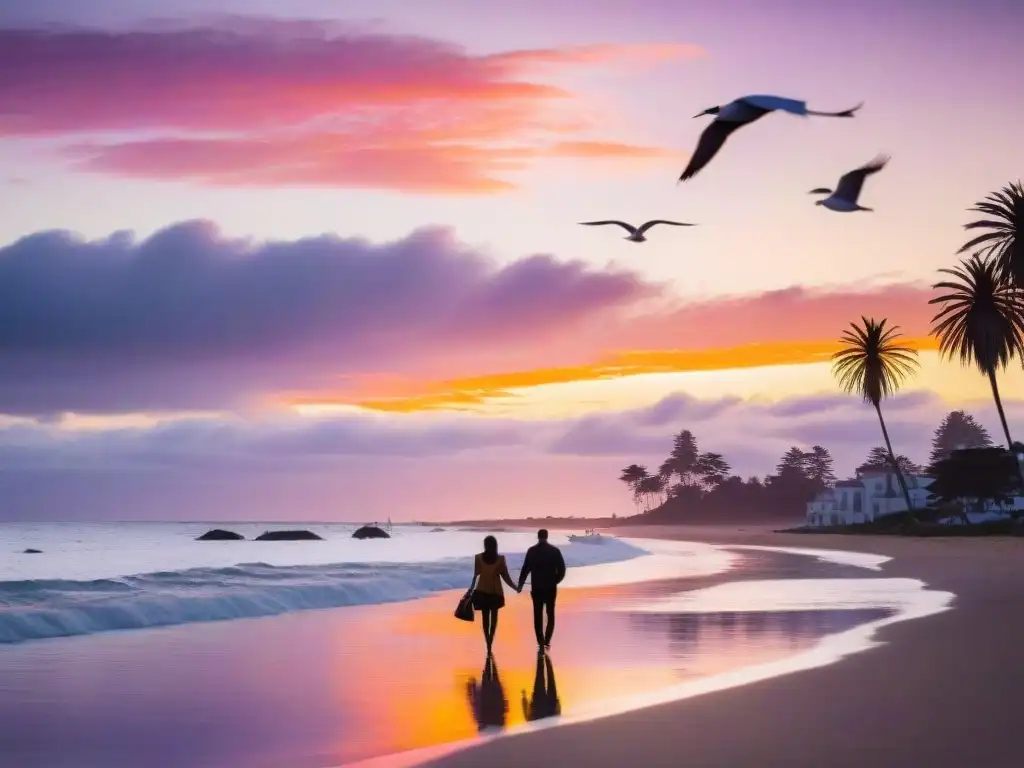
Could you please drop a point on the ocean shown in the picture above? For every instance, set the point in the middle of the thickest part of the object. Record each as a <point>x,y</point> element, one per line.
<point>133,644</point>
<point>99,577</point>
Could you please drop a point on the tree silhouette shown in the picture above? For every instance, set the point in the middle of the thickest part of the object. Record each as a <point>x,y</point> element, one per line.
<point>792,460</point>
<point>975,476</point>
<point>878,460</point>
<point>710,488</point>
<point>682,460</point>
<point>1004,216</point>
<point>818,464</point>
<point>873,364</point>
<point>957,430</point>
<point>632,476</point>
<point>712,468</point>
<point>652,485</point>
<point>981,322</point>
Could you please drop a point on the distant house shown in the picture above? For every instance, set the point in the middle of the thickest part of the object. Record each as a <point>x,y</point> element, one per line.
<point>869,496</point>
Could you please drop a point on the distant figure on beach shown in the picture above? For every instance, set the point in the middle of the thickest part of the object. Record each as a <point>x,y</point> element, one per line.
<point>544,701</point>
<point>489,569</point>
<point>546,568</point>
<point>487,698</point>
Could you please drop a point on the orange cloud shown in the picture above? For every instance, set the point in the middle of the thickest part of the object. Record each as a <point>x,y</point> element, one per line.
<point>611,150</point>
<point>791,327</point>
<point>413,162</point>
<point>305,104</point>
<point>603,53</point>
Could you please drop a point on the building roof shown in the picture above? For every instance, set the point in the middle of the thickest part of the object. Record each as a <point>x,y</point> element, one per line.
<point>849,484</point>
<point>890,472</point>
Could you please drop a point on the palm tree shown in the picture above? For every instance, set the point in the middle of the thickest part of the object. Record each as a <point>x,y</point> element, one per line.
<point>1005,217</point>
<point>873,364</point>
<point>632,476</point>
<point>981,321</point>
<point>652,485</point>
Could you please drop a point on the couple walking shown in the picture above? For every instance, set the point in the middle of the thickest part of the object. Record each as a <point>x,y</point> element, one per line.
<point>545,567</point>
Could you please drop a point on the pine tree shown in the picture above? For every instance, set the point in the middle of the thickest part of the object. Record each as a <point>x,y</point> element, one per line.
<point>793,460</point>
<point>958,430</point>
<point>818,464</point>
<point>878,460</point>
<point>712,468</point>
<point>682,461</point>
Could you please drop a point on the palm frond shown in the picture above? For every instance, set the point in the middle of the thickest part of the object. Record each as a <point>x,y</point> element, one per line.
<point>1004,212</point>
<point>981,320</point>
<point>872,362</point>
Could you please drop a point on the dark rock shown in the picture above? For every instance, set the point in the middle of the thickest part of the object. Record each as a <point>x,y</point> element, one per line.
<point>289,536</point>
<point>370,532</point>
<point>437,530</point>
<point>32,552</point>
<point>219,534</point>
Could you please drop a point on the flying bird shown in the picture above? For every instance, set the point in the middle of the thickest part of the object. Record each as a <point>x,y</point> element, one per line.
<point>742,112</point>
<point>636,234</point>
<point>844,199</point>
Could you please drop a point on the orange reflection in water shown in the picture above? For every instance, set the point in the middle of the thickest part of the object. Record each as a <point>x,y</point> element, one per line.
<point>414,676</point>
<point>434,663</point>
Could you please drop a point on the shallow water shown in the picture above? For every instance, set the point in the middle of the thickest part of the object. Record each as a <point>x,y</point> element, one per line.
<point>92,578</point>
<point>326,688</point>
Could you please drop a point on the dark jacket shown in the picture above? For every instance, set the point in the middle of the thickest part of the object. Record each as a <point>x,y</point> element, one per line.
<point>545,567</point>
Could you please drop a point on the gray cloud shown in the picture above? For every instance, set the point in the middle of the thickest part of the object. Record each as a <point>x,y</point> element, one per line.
<point>189,319</point>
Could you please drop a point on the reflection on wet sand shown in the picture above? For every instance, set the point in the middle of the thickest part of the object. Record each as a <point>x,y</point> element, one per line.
<point>544,702</point>
<point>336,687</point>
<point>487,698</point>
<point>722,634</point>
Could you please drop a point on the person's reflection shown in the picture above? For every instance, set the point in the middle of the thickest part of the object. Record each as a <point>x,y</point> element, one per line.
<point>544,702</point>
<point>487,698</point>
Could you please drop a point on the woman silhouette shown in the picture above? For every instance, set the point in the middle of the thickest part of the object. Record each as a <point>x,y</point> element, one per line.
<point>489,570</point>
<point>487,698</point>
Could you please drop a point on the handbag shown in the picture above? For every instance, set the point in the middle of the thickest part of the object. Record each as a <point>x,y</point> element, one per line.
<point>464,611</point>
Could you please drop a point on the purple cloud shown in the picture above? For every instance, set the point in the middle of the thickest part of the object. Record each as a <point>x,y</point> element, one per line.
<point>190,319</point>
<point>426,465</point>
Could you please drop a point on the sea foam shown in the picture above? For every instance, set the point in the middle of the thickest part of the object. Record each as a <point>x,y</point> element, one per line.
<point>40,608</point>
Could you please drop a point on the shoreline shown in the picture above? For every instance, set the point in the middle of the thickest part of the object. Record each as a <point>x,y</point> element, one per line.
<point>331,687</point>
<point>941,690</point>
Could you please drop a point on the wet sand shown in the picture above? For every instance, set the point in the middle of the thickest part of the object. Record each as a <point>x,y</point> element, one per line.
<point>325,688</point>
<point>945,691</point>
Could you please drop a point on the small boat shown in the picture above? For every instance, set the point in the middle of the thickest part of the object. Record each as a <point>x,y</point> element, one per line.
<point>590,536</point>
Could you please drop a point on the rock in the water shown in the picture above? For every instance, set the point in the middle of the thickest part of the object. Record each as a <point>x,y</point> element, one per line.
<point>437,530</point>
<point>289,536</point>
<point>370,532</point>
<point>32,552</point>
<point>219,534</point>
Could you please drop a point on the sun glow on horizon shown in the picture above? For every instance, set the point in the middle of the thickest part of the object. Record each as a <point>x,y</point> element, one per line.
<point>568,393</point>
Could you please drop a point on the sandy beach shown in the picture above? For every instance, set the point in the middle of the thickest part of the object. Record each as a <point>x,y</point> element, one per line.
<point>943,691</point>
<point>311,689</point>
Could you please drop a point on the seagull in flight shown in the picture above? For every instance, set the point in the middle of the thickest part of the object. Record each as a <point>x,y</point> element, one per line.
<point>844,199</point>
<point>636,234</point>
<point>742,112</point>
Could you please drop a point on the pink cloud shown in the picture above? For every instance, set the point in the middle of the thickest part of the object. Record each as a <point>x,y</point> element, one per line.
<point>302,103</point>
<point>794,314</point>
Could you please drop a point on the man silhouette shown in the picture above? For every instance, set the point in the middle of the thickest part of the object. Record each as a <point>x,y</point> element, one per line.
<point>546,568</point>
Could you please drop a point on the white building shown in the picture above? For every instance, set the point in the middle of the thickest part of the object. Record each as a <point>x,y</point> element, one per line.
<point>871,495</point>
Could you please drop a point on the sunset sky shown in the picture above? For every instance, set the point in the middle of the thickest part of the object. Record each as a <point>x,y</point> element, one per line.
<point>326,264</point>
